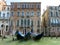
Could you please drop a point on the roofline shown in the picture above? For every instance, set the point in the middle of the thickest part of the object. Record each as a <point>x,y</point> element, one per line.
<point>26,2</point>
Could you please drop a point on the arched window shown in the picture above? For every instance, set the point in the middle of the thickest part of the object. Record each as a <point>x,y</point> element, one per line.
<point>6,27</point>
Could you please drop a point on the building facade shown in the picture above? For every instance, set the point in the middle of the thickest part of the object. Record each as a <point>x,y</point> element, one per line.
<point>52,20</point>
<point>4,19</point>
<point>25,16</point>
<point>2,3</point>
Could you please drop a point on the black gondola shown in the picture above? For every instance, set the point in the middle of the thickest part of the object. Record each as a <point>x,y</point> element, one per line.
<point>21,36</point>
<point>38,36</point>
<point>28,36</point>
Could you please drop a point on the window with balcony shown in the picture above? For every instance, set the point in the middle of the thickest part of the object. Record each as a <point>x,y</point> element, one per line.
<point>52,21</point>
<point>27,13</point>
<point>22,13</point>
<point>18,13</point>
<point>7,14</point>
<point>12,13</point>
<point>38,13</point>
<point>56,14</point>
<point>3,15</point>
<point>57,21</point>
<point>51,14</point>
<point>32,13</point>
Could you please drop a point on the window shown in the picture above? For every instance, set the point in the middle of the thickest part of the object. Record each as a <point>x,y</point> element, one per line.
<point>57,21</point>
<point>11,23</point>
<point>27,5</point>
<point>25,22</point>
<point>32,30</point>
<point>6,27</point>
<point>51,14</point>
<point>21,22</point>
<point>37,5</point>
<point>38,13</point>
<point>17,22</point>
<point>18,13</point>
<point>54,21</point>
<point>55,8</point>
<point>7,14</point>
<point>51,8</point>
<point>18,5</point>
<point>38,30</point>
<point>31,23</point>
<point>3,15</point>
<point>23,5</point>
<point>27,13</point>
<point>0,14</point>
<point>12,5</point>
<point>22,13</point>
<point>57,14</point>
<point>8,8</point>
<point>38,22</point>
<point>32,13</point>
<point>28,22</point>
<point>32,6</point>
<point>12,13</point>
<point>51,20</point>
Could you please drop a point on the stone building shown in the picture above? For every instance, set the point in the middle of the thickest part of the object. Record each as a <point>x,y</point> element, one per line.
<point>25,16</point>
<point>51,21</point>
<point>2,3</point>
<point>4,19</point>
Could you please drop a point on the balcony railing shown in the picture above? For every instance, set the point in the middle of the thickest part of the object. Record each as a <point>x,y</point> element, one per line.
<point>4,17</point>
<point>58,24</point>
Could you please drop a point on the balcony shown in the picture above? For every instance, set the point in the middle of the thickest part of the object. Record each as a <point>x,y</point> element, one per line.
<point>55,25</point>
<point>4,18</point>
<point>25,26</point>
<point>27,16</point>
